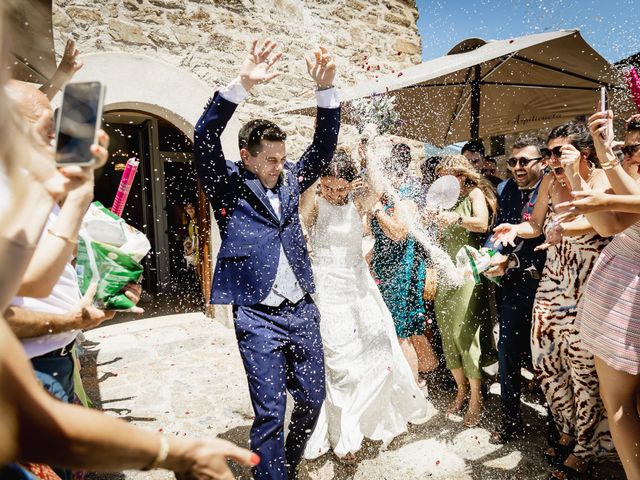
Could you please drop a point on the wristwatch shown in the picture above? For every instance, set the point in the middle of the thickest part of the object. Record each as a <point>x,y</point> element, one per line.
<point>460,220</point>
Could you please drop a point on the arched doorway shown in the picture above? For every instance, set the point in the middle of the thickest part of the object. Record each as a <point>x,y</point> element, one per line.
<point>165,184</point>
<point>155,105</point>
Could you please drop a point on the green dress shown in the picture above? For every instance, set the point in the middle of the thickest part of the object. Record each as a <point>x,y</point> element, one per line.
<point>463,314</point>
<point>400,274</point>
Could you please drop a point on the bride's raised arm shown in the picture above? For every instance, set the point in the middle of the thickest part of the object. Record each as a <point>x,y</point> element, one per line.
<point>308,207</point>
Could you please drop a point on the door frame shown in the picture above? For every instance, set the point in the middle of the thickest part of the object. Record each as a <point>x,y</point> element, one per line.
<point>160,266</point>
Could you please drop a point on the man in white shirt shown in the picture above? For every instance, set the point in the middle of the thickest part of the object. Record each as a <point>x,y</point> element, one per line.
<point>50,311</point>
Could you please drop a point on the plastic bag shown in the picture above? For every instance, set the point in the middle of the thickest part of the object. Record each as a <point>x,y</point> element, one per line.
<point>473,262</point>
<point>109,252</point>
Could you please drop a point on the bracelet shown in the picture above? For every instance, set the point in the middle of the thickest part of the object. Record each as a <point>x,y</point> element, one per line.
<point>163,453</point>
<point>320,89</point>
<point>62,237</point>
<point>609,164</point>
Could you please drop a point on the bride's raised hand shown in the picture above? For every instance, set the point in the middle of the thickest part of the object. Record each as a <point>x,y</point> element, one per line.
<point>358,186</point>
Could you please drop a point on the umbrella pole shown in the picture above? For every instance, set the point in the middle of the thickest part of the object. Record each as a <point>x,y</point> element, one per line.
<point>475,103</point>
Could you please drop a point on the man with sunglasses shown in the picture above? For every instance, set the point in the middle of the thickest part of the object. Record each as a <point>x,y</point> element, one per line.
<point>520,267</point>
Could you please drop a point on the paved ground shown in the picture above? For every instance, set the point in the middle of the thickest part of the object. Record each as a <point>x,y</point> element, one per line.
<point>181,374</point>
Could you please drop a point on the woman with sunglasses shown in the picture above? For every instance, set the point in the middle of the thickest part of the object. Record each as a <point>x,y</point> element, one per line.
<point>563,365</point>
<point>609,313</point>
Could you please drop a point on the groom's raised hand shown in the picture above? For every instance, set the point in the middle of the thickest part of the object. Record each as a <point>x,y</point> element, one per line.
<point>256,66</point>
<point>323,70</point>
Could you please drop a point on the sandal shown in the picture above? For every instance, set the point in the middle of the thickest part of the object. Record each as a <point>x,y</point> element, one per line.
<point>556,453</point>
<point>458,404</point>
<point>471,421</point>
<point>567,473</point>
<point>505,435</point>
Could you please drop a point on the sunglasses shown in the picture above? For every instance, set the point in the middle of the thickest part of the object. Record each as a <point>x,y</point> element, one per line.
<point>523,161</point>
<point>549,152</point>
<point>630,150</point>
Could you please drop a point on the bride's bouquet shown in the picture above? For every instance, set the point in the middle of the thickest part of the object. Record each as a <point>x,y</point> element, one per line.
<point>378,109</point>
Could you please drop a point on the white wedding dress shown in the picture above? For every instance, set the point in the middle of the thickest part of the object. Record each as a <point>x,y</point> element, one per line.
<point>370,387</point>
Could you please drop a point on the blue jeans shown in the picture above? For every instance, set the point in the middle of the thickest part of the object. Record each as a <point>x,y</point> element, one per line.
<point>57,376</point>
<point>281,350</point>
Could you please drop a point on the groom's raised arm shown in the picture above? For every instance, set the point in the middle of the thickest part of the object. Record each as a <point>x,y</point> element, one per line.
<point>209,160</point>
<point>325,138</point>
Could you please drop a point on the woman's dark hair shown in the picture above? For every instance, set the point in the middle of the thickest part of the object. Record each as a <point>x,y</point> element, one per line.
<point>342,166</point>
<point>428,169</point>
<point>475,146</point>
<point>401,155</point>
<point>579,136</point>
<point>634,125</point>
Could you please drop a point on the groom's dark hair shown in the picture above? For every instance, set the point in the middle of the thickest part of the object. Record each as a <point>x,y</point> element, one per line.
<point>254,131</point>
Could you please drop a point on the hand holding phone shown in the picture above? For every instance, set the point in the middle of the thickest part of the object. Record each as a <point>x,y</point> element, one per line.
<point>78,123</point>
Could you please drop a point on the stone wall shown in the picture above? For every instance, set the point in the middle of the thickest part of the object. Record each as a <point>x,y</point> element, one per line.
<point>210,37</point>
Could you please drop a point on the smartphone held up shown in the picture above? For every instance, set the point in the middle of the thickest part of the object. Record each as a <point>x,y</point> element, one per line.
<point>603,109</point>
<point>79,119</point>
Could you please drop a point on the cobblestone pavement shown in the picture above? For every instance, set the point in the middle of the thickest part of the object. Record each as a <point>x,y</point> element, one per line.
<point>182,375</point>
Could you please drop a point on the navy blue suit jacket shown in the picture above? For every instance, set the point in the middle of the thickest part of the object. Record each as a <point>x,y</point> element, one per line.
<point>511,202</point>
<point>251,231</point>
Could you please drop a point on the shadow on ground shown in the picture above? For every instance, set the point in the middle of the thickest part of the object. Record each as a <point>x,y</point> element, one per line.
<point>450,435</point>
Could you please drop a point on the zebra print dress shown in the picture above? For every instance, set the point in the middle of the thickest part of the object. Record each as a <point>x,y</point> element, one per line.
<point>563,365</point>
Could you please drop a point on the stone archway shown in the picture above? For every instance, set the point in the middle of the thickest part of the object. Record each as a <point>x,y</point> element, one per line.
<point>143,83</point>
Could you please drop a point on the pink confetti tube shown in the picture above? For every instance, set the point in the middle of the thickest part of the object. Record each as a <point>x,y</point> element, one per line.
<point>125,185</point>
<point>633,82</point>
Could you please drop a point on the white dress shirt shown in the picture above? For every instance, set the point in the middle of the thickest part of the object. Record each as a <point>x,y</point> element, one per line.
<point>63,298</point>
<point>286,285</point>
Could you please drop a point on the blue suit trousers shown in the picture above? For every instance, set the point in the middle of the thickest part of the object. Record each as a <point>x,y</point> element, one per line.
<point>514,345</point>
<point>281,349</point>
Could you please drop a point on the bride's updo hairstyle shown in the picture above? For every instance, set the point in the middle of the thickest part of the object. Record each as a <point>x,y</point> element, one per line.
<point>342,165</point>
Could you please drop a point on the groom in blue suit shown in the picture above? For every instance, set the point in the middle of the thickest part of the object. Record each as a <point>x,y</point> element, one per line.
<point>263,266</point>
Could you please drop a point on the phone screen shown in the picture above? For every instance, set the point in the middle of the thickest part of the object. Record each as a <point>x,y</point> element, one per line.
<point>77,122</point>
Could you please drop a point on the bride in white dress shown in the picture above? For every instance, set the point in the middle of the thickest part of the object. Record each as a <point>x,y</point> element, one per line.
<point>371,391</point>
